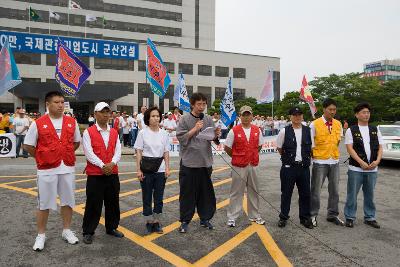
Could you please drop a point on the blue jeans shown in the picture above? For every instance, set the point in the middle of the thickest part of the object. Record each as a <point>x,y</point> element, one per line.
<point>354,182</point>
<point>20,141</point>
<point>153,186</point>
<point>134,133</point>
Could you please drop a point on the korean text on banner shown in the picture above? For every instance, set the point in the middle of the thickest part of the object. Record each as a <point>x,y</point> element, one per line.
<point>71,73</point>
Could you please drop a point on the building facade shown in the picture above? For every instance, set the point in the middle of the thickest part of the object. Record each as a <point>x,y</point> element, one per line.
<point>184,32</point>
<point>384,70</point>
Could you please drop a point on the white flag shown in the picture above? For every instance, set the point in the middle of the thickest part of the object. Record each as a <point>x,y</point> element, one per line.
<point>183,97</point>
<point>228,113</point>
<point>267,94</point>
<point>90,17</point>
<point>73,5</point>
<point>54,15</point>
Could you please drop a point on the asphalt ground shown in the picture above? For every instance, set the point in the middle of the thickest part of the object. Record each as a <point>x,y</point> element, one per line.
<point>245,245</point>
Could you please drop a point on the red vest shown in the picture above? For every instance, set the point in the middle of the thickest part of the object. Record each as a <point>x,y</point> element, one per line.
<point>51,150</point>
<point>100,150</point>
<point>245,152</point>
<point>116,124</point>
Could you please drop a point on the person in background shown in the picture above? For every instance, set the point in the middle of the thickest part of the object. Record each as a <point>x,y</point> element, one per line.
<point>140,117</point>
<point>5,122</point>
<point>52,140</point>
<point>276,125</point>
<point>133,129</point>
<point>364,145</point>
<point>125,130</point>
<point>345,126</point>
<point>103,152</point>
<point>243,144</point>
<point>169,124</point>
<point>177,115</point>
<point>21,125</point>
<point>152,144</point>
<point>91,120</point>
<point>282,123</point>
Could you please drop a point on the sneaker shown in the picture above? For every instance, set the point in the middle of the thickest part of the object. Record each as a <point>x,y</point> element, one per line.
<point>336,221</point>
<point>206,224</point>
<point>157,228</point>
<point>149,228</point>
<point>231,223</point>
<point>373,224</point>
<point>282,223</point>
<point>349,223</point>
<point>88,239</point>
<point>183,228</point>
<point>259,221</point>
<point>39,242</point>
<point>69,237</point>
<point>314,221</point>
<point>307,223</point>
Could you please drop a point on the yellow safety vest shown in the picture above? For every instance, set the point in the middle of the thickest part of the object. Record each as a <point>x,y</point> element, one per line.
<point>326,143</point>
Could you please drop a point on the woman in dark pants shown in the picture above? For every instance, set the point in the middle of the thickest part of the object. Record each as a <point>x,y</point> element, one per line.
<point>152,146</point>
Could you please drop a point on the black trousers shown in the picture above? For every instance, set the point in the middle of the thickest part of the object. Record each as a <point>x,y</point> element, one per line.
<point>196,191</point>
<point>299,175</point>
<point>101,188</point>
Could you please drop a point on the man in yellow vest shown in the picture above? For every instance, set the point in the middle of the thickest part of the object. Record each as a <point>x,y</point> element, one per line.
<point>326,132</point>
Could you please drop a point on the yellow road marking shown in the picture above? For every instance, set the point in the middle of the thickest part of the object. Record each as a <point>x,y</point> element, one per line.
<point>33,176</point>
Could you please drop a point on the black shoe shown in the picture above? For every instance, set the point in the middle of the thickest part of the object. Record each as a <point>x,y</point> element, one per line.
<point>183,228</point>
<point>157,228</point>
<point>373,224</point>
<point>149,228</point>
<point>282,223</point>
<point>115,233</point>
<point>307,223</point>
<point>206,224</point>
<point>336,221</point>
<point>349,223</point>
<point>87,239</point>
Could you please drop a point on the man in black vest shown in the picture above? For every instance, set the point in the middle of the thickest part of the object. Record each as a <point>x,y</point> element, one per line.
<point>294,144</point>
<point>364,144</point>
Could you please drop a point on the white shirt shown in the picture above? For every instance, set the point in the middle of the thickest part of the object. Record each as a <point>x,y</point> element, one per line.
<point>364,130</point>
<point>329,161</point>
<point>32,137</point>
<point>231,136</point>
<point>276,124</point>
<point>153,144</point>
<point>88,149</point>
<point>140,117</point>
<point>133,123</point>
<point>299,134</point>
<point>20,124</point>
<point>282,124</point>
<point>169,124</point>
<point>125,127</point>
<point>91,119</point>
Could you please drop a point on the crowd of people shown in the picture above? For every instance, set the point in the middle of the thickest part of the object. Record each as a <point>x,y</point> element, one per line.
<point>53,138</point>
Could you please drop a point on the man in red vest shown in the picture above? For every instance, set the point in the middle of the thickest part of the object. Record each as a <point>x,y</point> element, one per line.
<point>103,151</point>
<point>243,144</point>
<point>52,140</point>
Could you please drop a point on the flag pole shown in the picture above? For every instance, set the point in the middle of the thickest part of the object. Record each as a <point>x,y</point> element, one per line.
<point>49,21</point>
<point>68,15</point>
<point>29,17</point>
<point>85,26</point>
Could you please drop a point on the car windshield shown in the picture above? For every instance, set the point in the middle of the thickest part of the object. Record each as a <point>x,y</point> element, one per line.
<point>390,131</point>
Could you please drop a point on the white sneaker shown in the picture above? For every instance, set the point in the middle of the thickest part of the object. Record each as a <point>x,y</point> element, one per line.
<point>69,237</point>
<point>259,221</point>
<point>39,242</point>
<point>231,223</point>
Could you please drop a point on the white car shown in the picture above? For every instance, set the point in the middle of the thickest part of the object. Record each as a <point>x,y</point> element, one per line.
<point>391,141</point>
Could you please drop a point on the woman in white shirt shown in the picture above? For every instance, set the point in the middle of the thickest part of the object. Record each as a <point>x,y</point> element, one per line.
<point>152,162</point>
<point>125,130</point>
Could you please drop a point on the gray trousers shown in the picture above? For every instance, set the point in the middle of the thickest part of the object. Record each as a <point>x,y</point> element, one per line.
<point>246,180</point>
<point>319,173</point>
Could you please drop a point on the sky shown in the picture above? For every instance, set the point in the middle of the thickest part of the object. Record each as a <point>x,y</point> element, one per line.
<point>311,37</point>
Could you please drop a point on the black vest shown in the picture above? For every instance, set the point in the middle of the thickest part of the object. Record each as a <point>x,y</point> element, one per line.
<point>358,144</point>
<point>289,146</point>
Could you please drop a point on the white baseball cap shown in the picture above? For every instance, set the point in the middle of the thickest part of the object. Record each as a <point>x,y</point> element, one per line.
<point>100,106</point>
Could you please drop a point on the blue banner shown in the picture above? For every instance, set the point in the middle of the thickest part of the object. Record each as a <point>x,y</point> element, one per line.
<point>156,72</point>
<point>71,73</point>
<point>47,44</point>
<point>183,97</point>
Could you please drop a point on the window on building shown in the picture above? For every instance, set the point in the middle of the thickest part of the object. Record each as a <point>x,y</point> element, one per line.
<point>219,92</point>
<point>189,90</point>
<point>128,86</point>
<point>127,109</point>
<point>221,71</point>
<point>27,58</point>
<point>145,93</point>
<point>186,68</point>
<point>204,70</point>
<point>205,90</point>
<point>142,65</point>
<point>239,73</point>
<point>170,67</point>
<point>113,63</point>
<point>239,93</point>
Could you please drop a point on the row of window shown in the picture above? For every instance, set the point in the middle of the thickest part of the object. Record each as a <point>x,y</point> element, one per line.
<point>383,68</point>
<point>98,5</point>
<point>79,20</point>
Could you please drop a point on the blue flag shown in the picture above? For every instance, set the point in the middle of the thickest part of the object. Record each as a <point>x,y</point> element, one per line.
<point>228,113</point>
<point>156,72</point>
<point>71,73</point>
<point>183,97</point>
<point>9,74</point>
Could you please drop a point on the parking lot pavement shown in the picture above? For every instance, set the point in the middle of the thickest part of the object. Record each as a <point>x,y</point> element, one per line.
<point>245,245</point>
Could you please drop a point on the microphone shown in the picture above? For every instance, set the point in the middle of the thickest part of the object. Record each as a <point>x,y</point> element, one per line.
<point>201,116</point>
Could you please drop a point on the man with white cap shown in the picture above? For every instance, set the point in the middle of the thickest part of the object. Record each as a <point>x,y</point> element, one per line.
<point>243,144</point>
<point>103,151</point>
<point>21,126</point>
<point>170,124</point>
<point>52,140</point>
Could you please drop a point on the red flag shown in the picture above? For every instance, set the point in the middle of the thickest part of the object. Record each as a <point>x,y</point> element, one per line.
<point>306,96</point>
